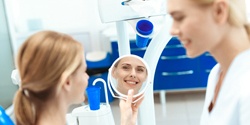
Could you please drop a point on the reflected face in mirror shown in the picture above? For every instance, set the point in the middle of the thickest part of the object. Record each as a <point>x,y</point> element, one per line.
<point>129,73</point>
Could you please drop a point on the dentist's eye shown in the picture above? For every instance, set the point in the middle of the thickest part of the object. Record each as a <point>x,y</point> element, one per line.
<point>179,18</point>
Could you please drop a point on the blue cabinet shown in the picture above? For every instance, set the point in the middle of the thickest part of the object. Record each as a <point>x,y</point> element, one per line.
<point>174,69</point>
<point>207,62</point>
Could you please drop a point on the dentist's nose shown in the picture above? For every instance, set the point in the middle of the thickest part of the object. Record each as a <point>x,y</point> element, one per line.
<point>174,31</point>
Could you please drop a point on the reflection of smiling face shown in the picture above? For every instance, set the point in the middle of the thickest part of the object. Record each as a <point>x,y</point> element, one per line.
<point>130,73</point>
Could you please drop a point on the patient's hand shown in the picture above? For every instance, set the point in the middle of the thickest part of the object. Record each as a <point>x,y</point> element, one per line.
<point>129,110</point>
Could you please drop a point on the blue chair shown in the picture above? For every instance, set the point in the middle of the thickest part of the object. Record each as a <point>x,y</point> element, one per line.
<point>4,118</point>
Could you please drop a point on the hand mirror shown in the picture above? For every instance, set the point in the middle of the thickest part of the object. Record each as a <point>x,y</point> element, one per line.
<point>129,72</point>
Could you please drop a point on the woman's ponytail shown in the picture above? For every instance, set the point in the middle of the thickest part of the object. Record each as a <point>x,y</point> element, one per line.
<point>24,112</point>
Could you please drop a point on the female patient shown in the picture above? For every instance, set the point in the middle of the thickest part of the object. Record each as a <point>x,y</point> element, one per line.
<point>53,76</point>
<point>221,28</point>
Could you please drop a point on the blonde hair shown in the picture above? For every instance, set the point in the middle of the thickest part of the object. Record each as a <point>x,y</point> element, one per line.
<point>237,13</point>
<point>44,61</point>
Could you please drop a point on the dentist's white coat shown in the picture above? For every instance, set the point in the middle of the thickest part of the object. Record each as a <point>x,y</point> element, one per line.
<point>233,102</point>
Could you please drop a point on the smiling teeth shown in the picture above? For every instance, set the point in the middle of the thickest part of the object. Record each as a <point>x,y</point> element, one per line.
<point>130,82</point>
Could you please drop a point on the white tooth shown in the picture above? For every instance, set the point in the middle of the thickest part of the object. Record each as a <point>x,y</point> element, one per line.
<point>130,82</point>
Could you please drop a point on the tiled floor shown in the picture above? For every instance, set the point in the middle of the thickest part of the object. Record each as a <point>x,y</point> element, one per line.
<point>182,108</point>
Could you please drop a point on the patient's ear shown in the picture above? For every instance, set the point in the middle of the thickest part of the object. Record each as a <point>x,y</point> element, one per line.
<point>67,85</point>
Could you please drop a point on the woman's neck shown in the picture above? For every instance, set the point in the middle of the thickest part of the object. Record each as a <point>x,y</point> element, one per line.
<point>54,113</point>
<point>233,43</point>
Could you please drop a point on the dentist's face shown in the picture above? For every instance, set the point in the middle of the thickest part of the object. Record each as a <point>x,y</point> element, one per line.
<point>194,25</point>
<point>130,73</point>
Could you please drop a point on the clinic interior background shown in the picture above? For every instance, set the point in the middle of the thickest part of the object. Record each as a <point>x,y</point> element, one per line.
<point>79,18</point>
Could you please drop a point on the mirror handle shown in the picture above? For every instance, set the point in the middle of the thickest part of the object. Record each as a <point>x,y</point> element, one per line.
<point>138,98</point>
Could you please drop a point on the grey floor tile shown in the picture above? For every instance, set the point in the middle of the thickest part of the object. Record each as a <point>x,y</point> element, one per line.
<point>182,108</point>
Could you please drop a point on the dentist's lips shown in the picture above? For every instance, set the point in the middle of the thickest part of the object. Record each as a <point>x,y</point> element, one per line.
<point>185,43</point>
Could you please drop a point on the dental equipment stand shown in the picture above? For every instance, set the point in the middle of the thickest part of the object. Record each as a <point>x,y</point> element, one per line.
<point>146,114</point>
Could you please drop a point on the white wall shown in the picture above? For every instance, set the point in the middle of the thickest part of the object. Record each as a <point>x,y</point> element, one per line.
<point>7,89</point>
<point>79,18</point>
<point>248,9</point>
